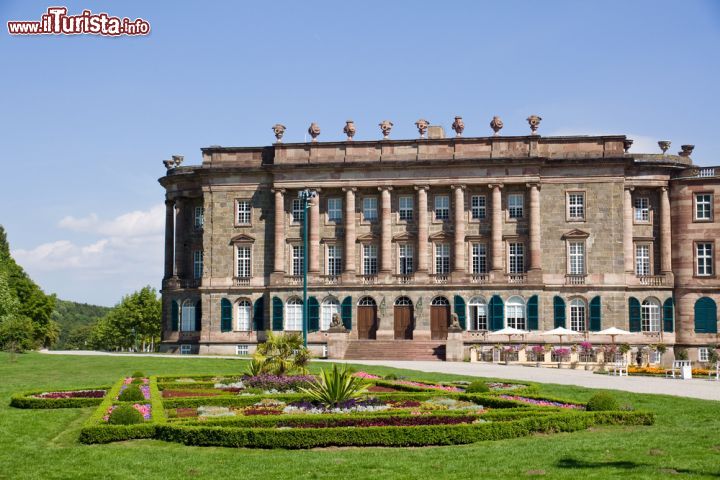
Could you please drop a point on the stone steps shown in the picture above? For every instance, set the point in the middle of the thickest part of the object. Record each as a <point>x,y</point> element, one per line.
<point>395,350</point>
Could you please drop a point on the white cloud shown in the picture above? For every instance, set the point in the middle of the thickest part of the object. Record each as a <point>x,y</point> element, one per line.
<point>131,224</point>
<point>641,143</point>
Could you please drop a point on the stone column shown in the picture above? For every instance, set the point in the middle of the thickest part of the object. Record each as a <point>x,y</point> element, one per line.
<point>628,230</point>
<point>180,234</point>
<point>314,235</point>
<point>665,232</point>
<point>422,241</point>
<point>459,263</point>
<point>497,225</point>
<point>349,231</point>
<point>279,266</point>
<point>385,231</point>
<point>169,237</point>
<point>535,249</point>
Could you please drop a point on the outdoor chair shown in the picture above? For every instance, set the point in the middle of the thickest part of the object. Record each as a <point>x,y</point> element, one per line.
<point>676,370</point>
<point>619,368</point>
<point>715,372</point>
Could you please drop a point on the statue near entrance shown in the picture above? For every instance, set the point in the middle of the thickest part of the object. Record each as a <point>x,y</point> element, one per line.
<point>336,324</point>
<point>454,323</point>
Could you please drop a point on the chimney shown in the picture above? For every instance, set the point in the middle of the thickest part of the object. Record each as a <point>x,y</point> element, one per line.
<point>436,131</point>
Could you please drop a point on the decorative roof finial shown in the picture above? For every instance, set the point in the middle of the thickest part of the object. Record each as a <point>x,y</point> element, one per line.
<point>627,143</point>
<point>385,127</point>
<point>496,124</point>
<point>177,160</point>
<point>422,126</point>
<point>279,131</point>
<point>664,145</point>
<point>534,121</point>
<point>349,130</point>
<point>686,150</point>
<point>314,131</point>
<point>459,126</point>
<point>169,164</point>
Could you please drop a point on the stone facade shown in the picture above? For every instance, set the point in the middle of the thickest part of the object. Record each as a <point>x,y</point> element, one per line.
<point>437,198</point>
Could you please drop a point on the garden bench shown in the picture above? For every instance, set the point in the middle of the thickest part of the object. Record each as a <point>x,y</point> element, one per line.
<point>715,372</point>
<point>677,370</point>
<point>619,368</point>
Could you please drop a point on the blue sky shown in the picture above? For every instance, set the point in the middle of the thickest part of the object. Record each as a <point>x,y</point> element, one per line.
<point>87,120</point>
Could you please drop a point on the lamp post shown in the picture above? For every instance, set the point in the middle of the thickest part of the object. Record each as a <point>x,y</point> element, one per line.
<point>305,196</point>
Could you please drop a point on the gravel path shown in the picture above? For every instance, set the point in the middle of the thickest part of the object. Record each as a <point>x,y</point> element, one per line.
<point>695,388</point>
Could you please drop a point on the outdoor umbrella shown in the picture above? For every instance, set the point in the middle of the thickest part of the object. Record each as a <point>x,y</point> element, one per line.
<point>561,332</point>
<point>613,332</point>
<point>509,331</point>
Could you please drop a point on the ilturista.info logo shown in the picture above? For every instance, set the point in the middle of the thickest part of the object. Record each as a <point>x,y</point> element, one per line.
<point>56,21</point>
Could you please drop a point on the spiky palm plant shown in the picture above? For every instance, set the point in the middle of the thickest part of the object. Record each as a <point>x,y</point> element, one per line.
<point>335,387</point>
<point>281,354</point>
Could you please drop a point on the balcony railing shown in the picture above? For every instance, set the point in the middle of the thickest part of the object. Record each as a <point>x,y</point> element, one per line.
<point>518,278</point>
<point>707,172</point>
<point>241,281</point>
<point>294,279</point>
<point>405,279</point>
<point>479,278</point>
<point>331,279</point>
<point>440,279</point>
<point>369,279</point>
<point>574,279</point>
<point>190,283</point>
<point>652,280</point>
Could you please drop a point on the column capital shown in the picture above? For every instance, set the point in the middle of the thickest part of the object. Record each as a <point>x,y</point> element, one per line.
<point>384,187</point>
<point>278,190</point>
<point>496,185</point>
<point>629,187</point>
<point>461,187</point>
<point>349,189</point>
<point>422,187</point>
<point>664,188</point>
<point>533,185</point>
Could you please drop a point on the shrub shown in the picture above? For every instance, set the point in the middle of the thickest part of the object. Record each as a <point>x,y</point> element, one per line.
<point>478,386</point>
<point>131,394</point>
<point>602,402</point>
<point>391,376</point>
<point>336,386</point>
<point>138,374</point>
<point>137,381</point>
<point>125,415</point>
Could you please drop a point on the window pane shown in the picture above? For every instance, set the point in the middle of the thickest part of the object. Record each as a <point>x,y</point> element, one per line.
<point>243,261</point>
<point>298,212</point>
<point>244,211</point>
<point>650,316</point>
<point>479,258</point>
<point>642,209</point>
<point>197,264</point>
<point>442,207</point>
<point>370,259</point>
<point>704,255</point>
<point>478,206</point>
<point>515,205</point>
<point>334,260</point>
<point>406,259</point>
<point>517,258</point>
<point>199,217</point>
<point>298,255</point>
<point>244,315</point>
<point>334,209</point>
<point>576,205</point>
<point>406,208</point>
<point>370,208</point>
<point>577,258</point>
<point>642,260</point>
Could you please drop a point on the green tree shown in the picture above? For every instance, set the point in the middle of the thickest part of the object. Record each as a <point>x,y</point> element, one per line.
<point>133,324</point>
<point>17,332</point>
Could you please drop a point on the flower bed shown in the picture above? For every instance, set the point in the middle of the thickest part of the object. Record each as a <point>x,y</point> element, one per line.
<point>73,394</point>
<point>77,398</point>
<point>541,402</point>
<point>145,410</point>
<point>144,389</point>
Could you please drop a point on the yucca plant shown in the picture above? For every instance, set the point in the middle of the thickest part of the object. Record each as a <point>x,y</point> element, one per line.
<point>282,354</point>
<point>335,387</point>
<point>254,368</point>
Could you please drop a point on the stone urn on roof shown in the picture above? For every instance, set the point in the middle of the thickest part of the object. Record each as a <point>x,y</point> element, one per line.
<point>422,126</point>
<point>496,124</point>
<point>534,121</point>
<point>459,126</point>
<point>385,128</point>
<point>279,131</point>
<point>349,130</point>
<point>314,131</point>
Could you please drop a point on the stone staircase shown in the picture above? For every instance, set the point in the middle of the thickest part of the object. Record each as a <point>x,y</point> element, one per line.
<point>395,350</point>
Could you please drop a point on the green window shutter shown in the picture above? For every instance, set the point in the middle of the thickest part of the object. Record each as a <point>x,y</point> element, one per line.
<point>313,315</point>
<point>225,315</point>
<point>595,314</point>
<point>277,314</point>
<point>198,316</point>
<point>705,316</point>
<point>259,314</point>
<point>497,313</point>
<point>460,310</point>
<point>346,312</point>
<point>532,313</point>
<point>634,314</point>
<point>668,315</point>
<point>174,316</point>
<point>559,311</point>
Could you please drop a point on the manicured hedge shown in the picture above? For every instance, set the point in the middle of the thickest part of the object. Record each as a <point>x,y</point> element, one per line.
<point>26,400</point>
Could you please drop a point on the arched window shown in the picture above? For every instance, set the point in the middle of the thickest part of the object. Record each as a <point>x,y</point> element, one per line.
<point>578,312</point>
<point>477,308</point>
<point>440,301</point>
<point>293,314</point>
<point>330,307</point>
<point>188,316</point>
<point>366,302</point>
<point>515,313</point>
<point>403,302</point>
<point>244,315</point>
<point>650,315</point>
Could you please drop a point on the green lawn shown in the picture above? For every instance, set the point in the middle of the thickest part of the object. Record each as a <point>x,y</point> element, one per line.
<point>684,442</point>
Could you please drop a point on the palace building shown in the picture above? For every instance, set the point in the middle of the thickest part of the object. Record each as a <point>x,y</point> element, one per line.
<point>530,232</point>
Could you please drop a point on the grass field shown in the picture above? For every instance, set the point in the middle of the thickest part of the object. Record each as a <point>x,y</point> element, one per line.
<point>684,442</point>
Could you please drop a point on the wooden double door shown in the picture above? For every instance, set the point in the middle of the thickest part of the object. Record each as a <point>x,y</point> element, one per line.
<point>404,324</point>
<point>439,321</point>
<point>367,322</point>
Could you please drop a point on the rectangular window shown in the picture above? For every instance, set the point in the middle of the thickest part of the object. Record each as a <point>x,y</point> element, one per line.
<point>185,349</point>
<point>479,258</point>
<point>642,260</point>
<point>576,253</point>
<point>576,206</point>
<point>242,349</point>
<point>650,316</point>
<point>442,258</point>
<point>704,258</point>
<point>655,356</point>
<point>703,206</point>
<point>405,204</point>
<point>370,213</point>
<point>703,354</point>
<point>334,260</point>
<point>197,264</point>
<point>199,217</point>
<point>516,260</point>
<point>298,211</point>
<point>244,212</point>
<point>478,316</point>
<point>244,309</point>
<point>515,205</point>
<point>406,259</point>
<point>478,207</point>
<point>370,265</point>
<point>642,209</point>
<point>334,210</point>
<point>442,207</point>
<point>243,261</point>
<point>298,256</point>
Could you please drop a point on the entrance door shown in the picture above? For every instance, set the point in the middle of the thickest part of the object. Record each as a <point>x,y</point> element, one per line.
<point>367,319</point>
<point>439,318</point>
<point>403,315</point>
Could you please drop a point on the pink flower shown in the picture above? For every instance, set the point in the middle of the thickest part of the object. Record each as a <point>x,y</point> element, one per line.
<point>368,376</point>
